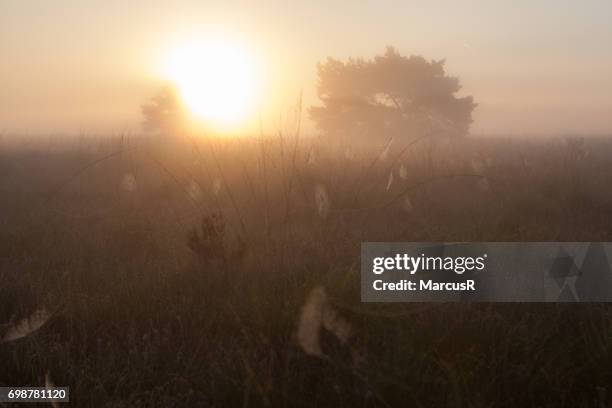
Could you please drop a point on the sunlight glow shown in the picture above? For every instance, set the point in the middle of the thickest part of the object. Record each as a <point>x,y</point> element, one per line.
<point>217,81</point>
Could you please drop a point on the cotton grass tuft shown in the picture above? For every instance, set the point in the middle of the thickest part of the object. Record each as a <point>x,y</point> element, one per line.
<point>194,191</point>
<point>216,186</point>
<point>310,322</point>
<point>403,172</point>
<point>128,183</point>
<point>477,165</point>
<point>483,184</point>
<point>312,158</point>
<point>26,326</point>
<point>407,204</point>
<point>322,201</point>
<point>349,154</point>
<point>318,313</point>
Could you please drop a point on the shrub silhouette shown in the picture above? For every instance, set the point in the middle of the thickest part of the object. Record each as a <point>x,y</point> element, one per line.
<point>164,112</point>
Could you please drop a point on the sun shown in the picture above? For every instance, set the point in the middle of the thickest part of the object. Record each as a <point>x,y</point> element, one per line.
<point>217,81</point>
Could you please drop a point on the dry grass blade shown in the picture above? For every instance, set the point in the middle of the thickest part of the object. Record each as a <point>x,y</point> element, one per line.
<point>49,384</point>
<point>390,181</point>
<point>385,153</point>
<point>27,325</point>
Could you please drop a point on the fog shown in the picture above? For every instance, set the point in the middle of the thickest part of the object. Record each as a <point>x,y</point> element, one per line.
<point>193,196</point>
<point>533,67</point>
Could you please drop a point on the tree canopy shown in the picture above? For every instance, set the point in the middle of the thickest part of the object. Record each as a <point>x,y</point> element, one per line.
<point>390,95</point>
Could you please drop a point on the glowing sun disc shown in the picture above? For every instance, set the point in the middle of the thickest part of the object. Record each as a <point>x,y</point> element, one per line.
<point>217,81</point>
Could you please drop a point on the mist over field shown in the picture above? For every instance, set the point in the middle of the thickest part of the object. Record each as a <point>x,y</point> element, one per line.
<point>184,192</point>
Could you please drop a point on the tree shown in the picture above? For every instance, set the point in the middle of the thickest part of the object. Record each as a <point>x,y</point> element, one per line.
<point>390,95</point>
<point>164,113</point>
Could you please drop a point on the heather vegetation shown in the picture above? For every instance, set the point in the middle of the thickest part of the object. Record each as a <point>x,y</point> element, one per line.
<point>196,271</point>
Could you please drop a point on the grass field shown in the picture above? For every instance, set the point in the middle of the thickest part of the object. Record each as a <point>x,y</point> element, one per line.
<point>201,272</point>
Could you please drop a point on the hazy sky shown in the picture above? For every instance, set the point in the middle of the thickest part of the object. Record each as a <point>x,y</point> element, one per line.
<point>87,65</point>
